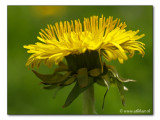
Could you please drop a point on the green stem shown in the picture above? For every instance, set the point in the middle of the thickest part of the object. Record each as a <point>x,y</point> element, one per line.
<point>88,101</point>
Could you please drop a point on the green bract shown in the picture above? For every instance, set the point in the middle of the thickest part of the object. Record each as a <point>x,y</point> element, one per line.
<point>85,70</point>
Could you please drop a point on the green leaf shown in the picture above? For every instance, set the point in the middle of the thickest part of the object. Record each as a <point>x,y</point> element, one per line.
<point>53,78</point>
<point>95,72</point>
<point>76,91</point>
<point>82,77</point>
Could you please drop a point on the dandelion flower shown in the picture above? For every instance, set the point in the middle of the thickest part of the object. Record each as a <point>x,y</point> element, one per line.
<point>83,44</point>
<point>106,36</point>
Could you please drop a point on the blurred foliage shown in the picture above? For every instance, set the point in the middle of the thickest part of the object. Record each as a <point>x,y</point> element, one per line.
<point>25,95</point>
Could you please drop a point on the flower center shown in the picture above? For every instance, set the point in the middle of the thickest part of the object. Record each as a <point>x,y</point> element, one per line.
<point>89,60</point>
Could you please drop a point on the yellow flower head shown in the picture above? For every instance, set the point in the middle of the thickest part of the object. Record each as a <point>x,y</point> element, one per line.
<point>105,35</point>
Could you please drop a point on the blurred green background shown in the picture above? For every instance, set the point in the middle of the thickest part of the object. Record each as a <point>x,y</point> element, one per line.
<point>25,95</point>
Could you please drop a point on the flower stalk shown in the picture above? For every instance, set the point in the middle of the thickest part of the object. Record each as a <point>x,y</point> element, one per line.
<point>88,101</point>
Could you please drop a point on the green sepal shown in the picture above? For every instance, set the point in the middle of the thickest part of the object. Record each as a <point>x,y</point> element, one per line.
<point>61,68</point>
<point>90,59</point>
<point>125,80</point>
<point>69,81</point>
<point>113,78</point>
<point>105,69</point>
<point>95,72</point>
<point>104,97</point>
<point>50,87</point>
<point>103,76</point>
<point>113,73</point>
<point>101,80</point>
<point>57,90</point>
<point>53,78</point>
<point>76,91</point>
<point>121,91</point>
<point>82,77</point>
<point>56,86</point>
<point>106,81</point>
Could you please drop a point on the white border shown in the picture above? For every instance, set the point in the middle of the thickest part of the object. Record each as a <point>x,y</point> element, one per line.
<point>3,56</point>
